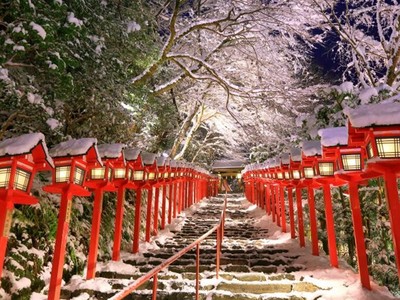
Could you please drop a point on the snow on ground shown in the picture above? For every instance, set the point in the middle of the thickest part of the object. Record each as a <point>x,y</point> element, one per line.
<point>343,283</point>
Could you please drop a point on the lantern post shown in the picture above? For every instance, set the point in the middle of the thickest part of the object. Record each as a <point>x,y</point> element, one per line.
<point>326,167</point>
<point>71,160</point>
<point>133,180</point>
<point>295,170</point>
<point>166,185</point>
<point>351,169</point>
<point>311,150</point>
<point>161,163</point>
<point>20,158</point>
<point>149,161</point>
<point>380,126</point>
<point>101,179</point>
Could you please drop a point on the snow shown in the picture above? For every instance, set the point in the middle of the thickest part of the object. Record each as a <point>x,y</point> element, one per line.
<point>311,148</point>
<point>335,136</point>
<point>24,144</point>
<point>18,48</point>
<point>53,123</point>
<point>39,29</point>
<point>4,74</point>
<point>132,27</point>
<point>34,98</point>
<point>366,94</point>
<point>73,147</point>
<point>117,266</point>
<point>73,20</point>
<point>346,87</point>
<point>295,154</point>
<point>131,154</point>
<point>148,158</point>
<point>374,114</point>
<point>77,282</point>
<point>285,158</point>
<point>110,150</point>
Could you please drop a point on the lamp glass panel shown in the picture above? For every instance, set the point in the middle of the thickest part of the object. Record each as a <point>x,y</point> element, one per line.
<point>370,151</point>
<point>325,168</point>
<point>308,172</point>
<point>280,175</point>
<point>79,175</point>
<point>239,176</point>
<point>138,175</point>
<point>151,176</point>
<point>119,173</point>
<point>97,173</point>
<point>4,177</point>
<point>21,180</point>
<point>351,162</point>
<point>166,175</point>
<point>388,147</point>
<point>287,175</point>
<point>129,173</point>
<point>296,174</point>
<point>172,175</point>
<point>62,173</point>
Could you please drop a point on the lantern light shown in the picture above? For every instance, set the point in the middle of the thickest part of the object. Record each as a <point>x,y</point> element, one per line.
<point>98,173</point>
<point>351,162</point>
<point>308,172</point>
<point>388,147</point>
<point>4,177</point>
<point>296,174</point>
<point>119,173</point>
<point>326,168</point>
<point>138,175</point>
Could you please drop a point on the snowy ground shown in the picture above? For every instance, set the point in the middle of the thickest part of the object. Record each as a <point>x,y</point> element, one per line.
<point>342,283</point>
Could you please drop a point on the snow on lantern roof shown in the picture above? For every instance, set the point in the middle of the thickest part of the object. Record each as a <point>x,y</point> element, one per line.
<point>24,144</point>
<point>131,153</point>
<point>374,114</point>
<point>148,158</point>
<point>285,158</point>
<point>274,162</point>
<point>334,136</point>
<point>110,150</point>
<point>73,147</point>
<point>161,160</point>
<point>295,154</point>
<point>173,163</point>
<point>311,148</point>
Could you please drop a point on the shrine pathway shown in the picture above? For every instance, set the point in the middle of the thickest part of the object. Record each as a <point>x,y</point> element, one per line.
<point>258,262</point>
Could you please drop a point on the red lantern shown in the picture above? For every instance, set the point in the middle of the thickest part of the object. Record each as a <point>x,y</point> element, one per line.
<point>20,158</point>
<point>71,158</point>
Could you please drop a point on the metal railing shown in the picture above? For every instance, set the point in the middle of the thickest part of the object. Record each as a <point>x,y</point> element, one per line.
<point>196,244</point>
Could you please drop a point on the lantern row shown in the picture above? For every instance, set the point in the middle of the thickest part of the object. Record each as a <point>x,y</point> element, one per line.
<point>368,147</point>
<point>80,167</point>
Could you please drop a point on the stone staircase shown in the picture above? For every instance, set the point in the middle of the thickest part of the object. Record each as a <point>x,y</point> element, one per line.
<point>250,269</point>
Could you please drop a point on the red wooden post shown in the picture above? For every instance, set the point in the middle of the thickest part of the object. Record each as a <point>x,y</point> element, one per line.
<point>267,199</point>
<point>291,213</point>
<point>148,212</point>
<point>175,200</point>
<point>359,235</point>
<point>61,242</point>
<point>163,206</point>
<point>156,208</point>
<point>136,229</point>
<point>283,207</point>
<point>119,215</point>
<point>392,198</point>
<point>170,202</point>
<point>273,198</point>
<point>6,211</point>
<point>278,205</point>
<point>313,221</point>
<point>330,225</point>
<point>95,233</point>
<point>300,219</point>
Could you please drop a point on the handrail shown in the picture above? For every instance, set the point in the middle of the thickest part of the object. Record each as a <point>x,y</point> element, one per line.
<point>154,272</point>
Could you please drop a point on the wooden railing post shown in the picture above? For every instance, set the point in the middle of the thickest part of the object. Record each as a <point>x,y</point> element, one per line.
<point>198,271</point>
<point>155,286</point>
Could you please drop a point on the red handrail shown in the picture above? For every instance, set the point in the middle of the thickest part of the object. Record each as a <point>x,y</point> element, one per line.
<point>154,272</point>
